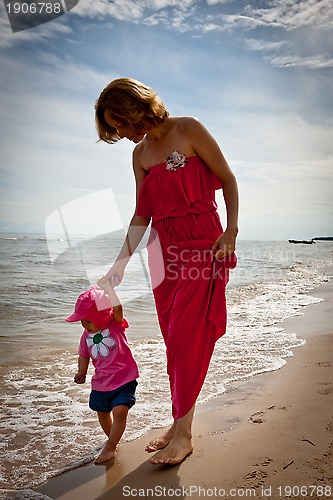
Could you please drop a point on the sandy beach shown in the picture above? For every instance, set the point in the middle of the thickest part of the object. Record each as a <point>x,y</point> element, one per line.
<point>270,437</point>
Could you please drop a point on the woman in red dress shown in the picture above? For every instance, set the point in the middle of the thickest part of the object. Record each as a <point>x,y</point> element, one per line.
<point>178,166</point>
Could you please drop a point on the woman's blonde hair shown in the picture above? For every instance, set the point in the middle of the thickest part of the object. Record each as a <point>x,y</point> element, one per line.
<point>132,103</point>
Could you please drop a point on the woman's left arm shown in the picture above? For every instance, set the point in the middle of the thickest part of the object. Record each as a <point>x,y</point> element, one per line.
<point>209,151</point>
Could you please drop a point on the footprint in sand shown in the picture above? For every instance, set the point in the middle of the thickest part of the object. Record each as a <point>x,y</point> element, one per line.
<point>330,427</point>
<point>266,462</point>
<point>255,478</point>
<point>328,389</point>
<point>257,417</point>
<point>212,433</point>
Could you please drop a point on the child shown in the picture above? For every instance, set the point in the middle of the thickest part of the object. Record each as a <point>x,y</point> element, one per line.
<point>114,381</point>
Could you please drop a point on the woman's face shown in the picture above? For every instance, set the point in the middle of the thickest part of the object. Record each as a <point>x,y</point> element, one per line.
<point>124,129</point>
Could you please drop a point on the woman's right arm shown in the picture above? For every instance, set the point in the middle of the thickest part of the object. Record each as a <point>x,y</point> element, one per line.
<point>135,233</point>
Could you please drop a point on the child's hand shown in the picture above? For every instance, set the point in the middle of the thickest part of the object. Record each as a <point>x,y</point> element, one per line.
<point>80,378</point>
<point>114,299</point>
<point>115,274</point>
<point>108,288</point>
<point>105,285</point>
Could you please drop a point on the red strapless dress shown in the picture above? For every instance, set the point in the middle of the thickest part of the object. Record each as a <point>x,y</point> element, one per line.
<point>179,196</point>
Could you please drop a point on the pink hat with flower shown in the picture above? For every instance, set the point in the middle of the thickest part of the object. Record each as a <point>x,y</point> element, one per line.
<point>93,305</point>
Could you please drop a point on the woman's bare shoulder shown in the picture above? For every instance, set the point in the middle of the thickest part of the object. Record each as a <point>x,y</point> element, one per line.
<point>186,122</point>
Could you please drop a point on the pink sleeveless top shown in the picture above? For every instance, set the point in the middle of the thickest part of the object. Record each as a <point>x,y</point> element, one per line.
<point>177,187</point>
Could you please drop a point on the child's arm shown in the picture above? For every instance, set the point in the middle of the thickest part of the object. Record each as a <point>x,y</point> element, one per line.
<point>114,299</point>
<point>83,364</point>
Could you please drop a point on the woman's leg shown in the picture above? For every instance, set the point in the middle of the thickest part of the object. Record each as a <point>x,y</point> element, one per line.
<point>184,302</point>
<point>162,441</point>
<point>180,445</point>
<point>190,340</point>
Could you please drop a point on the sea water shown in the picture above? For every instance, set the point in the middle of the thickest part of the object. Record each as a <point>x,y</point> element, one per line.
<point>46,424</point>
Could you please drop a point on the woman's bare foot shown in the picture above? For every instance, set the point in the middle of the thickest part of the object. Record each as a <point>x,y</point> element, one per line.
<point>161,442</point>
<point>174,453</point>
<point>109,452</point>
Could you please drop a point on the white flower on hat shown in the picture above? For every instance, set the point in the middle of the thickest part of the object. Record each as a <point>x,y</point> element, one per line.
<point>101,343</point>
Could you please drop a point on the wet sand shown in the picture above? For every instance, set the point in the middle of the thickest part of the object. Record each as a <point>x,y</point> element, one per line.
<point>269,437</point>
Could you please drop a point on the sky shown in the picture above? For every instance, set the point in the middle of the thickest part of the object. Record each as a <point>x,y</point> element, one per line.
<point>257,74</point>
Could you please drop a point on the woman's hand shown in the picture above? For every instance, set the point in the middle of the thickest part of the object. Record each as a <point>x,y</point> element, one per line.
<point>106,286</point>
<point>224,245</point>
<point>114,275</point>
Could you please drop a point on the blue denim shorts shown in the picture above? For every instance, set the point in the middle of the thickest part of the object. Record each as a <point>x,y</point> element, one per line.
<point>104,401</point>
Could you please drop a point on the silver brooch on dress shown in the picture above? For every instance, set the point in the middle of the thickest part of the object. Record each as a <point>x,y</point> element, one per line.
<point>175,161</point>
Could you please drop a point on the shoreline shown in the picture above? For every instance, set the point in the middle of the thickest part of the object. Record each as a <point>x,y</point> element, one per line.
<point>265,435</point>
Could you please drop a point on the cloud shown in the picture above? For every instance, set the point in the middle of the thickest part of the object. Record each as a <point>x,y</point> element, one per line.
<point>285,14</point>
<point>311,62</point>
<point>52,72</point>
<point>168,13</point>
<point>282,171</point>
<point>264,45</point>
<point>287,60</point>
<point>185,15</point>
<point>214,2</point>
<point>292,14</point>
<point>171,14</point>
<point>128,10</point>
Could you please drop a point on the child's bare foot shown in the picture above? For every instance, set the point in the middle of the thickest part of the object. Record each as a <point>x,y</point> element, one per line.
<point>174,453</point>
<point>109,452</point>
<point>161,442</point>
